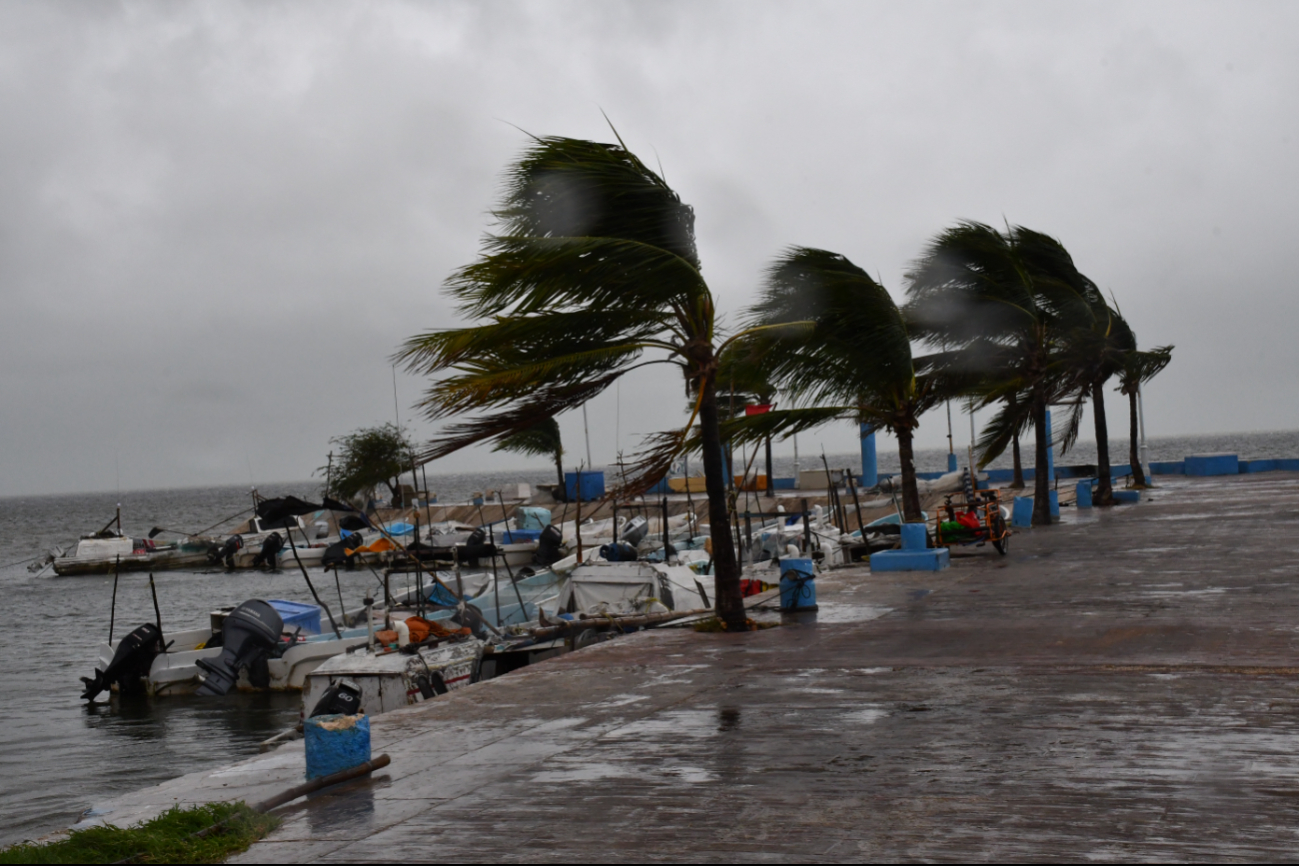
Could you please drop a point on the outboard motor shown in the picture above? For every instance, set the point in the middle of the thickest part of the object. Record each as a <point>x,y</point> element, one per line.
<point>248,635</point>
<point>336,554</point>
<point>270,547</point>
<point>635,530</point>
<point>130,664</point>
<point>471,618</point>
<point>476,547</point>
<point>549,546</point>
<point>226,553</point>
<point>620,552</point>
<point>342,698</point>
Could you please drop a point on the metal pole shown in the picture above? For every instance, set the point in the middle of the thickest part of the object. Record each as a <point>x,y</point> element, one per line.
<point>112,611</point>
<point>419,573</point>
<point>338,634</point>
<point>857,503</point>
<point>496,581</point>
<point>157,615</point>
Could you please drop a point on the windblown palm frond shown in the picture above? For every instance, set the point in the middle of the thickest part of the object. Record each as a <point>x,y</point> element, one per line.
<point>540,440</point>
<point>854,361</point>
<point>592,273</point>
<point>1142,366</point>
<point>1008,300</point>
<point>595,266</point>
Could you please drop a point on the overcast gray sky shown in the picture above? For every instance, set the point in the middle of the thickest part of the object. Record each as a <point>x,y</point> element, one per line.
<point>218,220</point>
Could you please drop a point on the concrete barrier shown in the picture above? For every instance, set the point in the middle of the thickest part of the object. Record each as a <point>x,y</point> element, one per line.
<point>1084,494</point>
<point>1204,465</point>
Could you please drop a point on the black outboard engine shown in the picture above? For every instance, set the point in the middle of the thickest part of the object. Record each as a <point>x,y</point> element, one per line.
<point>620,552</point>
<point>476,547</point>
<point>341,698</point>
<point>130,664</point>
<point>270,547</point>
<point>471,618</point>
<point>336,554</point>
<point>549,546</point>
<point>248,635</point>
<point>226,553</point>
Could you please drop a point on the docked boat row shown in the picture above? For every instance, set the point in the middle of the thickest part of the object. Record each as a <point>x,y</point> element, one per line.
<point>471,601</point>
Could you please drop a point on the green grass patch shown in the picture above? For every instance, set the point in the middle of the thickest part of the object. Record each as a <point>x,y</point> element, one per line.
<point>172,837</point>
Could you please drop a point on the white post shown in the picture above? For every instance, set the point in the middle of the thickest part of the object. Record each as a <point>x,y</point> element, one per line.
<point>795,459</point>
<point>974,481</point>
<point>1144,456</point>
<point>587,431</point>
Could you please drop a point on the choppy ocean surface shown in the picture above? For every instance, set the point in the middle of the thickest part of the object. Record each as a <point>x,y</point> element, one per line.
<point>59,757</point>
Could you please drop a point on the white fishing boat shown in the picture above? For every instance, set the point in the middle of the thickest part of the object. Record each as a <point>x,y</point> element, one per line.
<point>106,552</point>
<point>388,678</point>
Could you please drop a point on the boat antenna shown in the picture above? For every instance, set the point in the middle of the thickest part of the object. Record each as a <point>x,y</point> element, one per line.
<point>395,411</point>
<point>587,431</point>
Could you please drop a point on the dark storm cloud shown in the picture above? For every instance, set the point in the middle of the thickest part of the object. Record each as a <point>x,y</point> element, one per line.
<point>217,221</point>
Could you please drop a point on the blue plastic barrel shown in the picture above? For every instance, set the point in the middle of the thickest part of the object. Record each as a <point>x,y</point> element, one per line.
<point>335,743</point>
<point>1022,513</point>
<point>797,585</point>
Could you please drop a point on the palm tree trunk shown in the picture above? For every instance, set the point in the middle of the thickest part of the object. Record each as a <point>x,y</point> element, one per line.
<point>1104,489</point>
<point>1041,484</point>
<point>559,469</point>
<point>1134,454</point>
<point>910,493</point>
<point>727,598</point>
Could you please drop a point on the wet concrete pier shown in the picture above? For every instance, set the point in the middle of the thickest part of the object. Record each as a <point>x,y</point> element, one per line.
<point>1122,686</point>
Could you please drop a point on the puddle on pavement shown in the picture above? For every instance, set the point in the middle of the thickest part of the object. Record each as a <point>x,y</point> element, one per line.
<point>836,612</point>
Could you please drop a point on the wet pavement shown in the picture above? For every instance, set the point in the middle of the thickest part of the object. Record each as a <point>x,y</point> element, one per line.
<point>1120,687</point>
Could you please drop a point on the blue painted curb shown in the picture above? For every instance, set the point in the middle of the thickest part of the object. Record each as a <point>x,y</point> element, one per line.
<point>932,559</point>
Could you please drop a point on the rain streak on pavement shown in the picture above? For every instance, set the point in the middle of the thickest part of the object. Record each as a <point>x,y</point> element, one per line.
<point>1119,687</point>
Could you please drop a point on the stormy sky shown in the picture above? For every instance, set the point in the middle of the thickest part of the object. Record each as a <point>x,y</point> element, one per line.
<point>219,220</point>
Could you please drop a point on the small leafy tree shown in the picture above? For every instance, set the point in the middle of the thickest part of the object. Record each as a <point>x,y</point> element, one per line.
<point>367,458</point>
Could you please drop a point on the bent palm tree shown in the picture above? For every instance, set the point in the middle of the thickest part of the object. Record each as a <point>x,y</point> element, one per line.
<point>540,440</point>
<point>594,267</point>
<point>853,363</point>
<point>1092,356</point>
<point>1001,302</point>
<point>1138,368</point>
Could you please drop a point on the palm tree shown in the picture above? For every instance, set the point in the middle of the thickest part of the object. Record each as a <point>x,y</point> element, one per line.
<point>1091,356</point>
<point>853,363</point>
<point>1001,303</point>
<point>540,440</point>
<point>1138,368</point>
<point>594,266</point>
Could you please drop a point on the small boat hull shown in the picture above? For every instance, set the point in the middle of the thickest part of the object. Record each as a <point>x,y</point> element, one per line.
<point>392,680</point>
